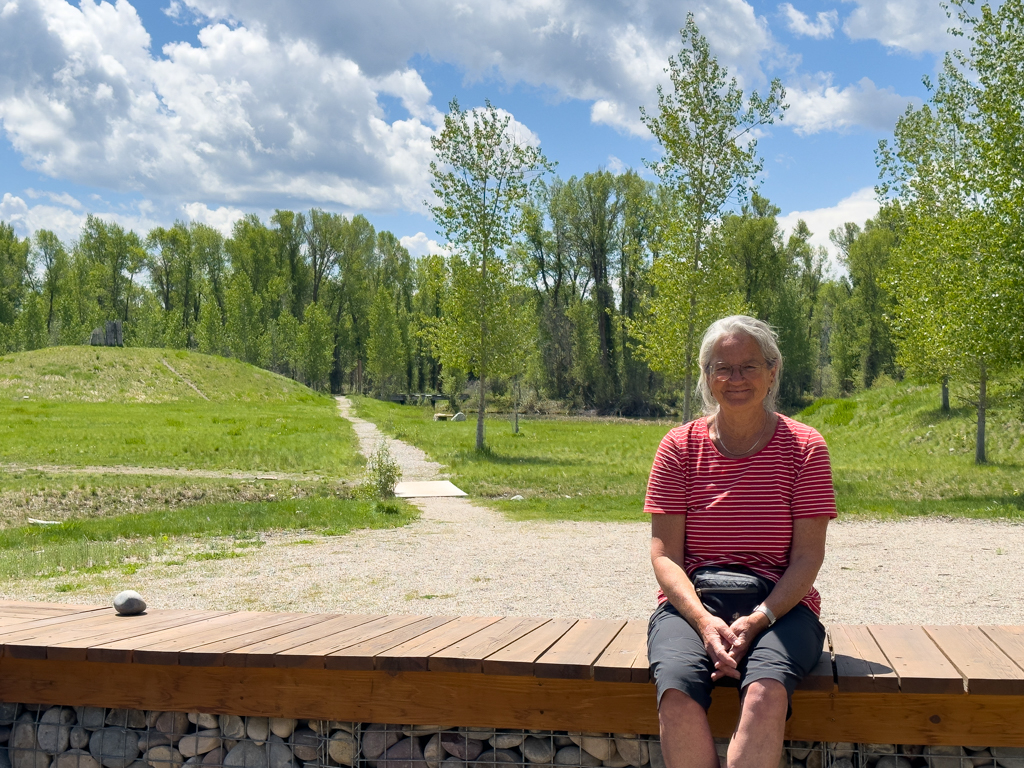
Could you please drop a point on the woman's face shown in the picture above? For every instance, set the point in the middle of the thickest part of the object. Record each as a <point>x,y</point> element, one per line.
<point>739,377</point>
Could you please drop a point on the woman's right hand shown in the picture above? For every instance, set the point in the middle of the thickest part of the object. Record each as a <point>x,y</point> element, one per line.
<point>718,639</point>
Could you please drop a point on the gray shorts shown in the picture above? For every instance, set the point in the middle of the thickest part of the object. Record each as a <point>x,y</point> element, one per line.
<point>786,652</point>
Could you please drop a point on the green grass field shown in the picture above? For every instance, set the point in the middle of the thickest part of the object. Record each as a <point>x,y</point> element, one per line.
<point>893,455</point>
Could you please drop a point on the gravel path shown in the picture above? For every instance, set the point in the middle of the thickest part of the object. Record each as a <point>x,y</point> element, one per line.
<point>462,558</point>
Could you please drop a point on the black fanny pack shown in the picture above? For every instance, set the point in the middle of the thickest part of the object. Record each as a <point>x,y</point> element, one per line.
<point>729,593</point>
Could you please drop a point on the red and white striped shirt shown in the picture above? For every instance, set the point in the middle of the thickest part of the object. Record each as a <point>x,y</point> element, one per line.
<point>741,511</point>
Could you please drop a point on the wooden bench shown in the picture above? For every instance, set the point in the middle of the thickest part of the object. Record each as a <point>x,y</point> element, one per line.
<point>896,684</point>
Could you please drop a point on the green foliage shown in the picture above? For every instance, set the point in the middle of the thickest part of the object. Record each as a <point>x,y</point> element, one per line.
<point>382,472</point>
<point>385,352</point>
<point>314,348</point>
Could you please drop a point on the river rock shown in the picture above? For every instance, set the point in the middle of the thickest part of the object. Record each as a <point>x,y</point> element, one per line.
<point>203,720</point>
<point>164,756</point>
<point>75,758</point>
<point>632,748</point>
<point>150,739</point>
<point>538,750</point>
<point>576,756</point>
<point>5,733</point>
<point>257,728</point>
<point>424,730</point>
<point>873,750</point>
<point>980,757</point>
<point>214,756</point>
<point>433,752</point>
<point>597,744</point>
<point>453,762</point>
<point>174,724</point>
<point>1009,757</point>
<point>193,762</point>
<point>842,762</point>
<point>114,747</point>
<point>54,732</point>
<point>657,759</point>
<point>403,754</point>
<point>231,726</point>
<point>91,718</point>
<point>942,756</point>
<point>9,712</point>
<point>840,749</point>
<point>481,734</point>
<point>563,741</point>
<point>78,738</point>
<point>306,744</point>
<point>800,749</point>
<point>506,740</point>
<point>815,759</point>
<point>200,742</point>
<point>129,603</point>
<point>460,745</point>
<point>246,755</point>
<point>344,748</point>
<point>498,757</point>
<point>283,726</point>
<point>615,761</point>
<point>893,761</point>
<point>126,718</point>
<point>279,754</point>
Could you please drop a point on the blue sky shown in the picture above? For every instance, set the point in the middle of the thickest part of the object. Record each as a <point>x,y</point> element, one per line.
<point>155,110</point>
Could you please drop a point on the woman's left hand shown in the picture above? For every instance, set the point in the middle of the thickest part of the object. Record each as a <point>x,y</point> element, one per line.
<point>746,629</point>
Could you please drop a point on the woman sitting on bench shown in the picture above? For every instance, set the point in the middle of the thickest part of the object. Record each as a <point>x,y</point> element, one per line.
<point>740,500</point>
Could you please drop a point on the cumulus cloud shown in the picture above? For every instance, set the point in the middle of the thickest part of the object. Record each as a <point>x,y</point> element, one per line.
<point>222,219</point>
<point>858,208</point>
<point>420,245</point>
<point>916,26</point>
<point>27,219</point>
<point>800,24</point>
<point>815,105</point>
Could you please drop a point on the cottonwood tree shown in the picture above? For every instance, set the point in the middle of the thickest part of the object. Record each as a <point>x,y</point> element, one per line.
<point>483,172</point>
<point>704,125</point>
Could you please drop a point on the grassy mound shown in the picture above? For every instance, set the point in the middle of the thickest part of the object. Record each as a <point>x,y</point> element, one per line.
<point>131,375</point>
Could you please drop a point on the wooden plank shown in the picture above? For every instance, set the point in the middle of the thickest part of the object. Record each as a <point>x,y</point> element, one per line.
<point>29,608</point>
<point>641,670</point>
<point>311,655</point>
<point>13,621</point>
<point>1010,641</point>
<point>162,647</point>
<point>413,654</point>
<point>33,628</point>
<point>212,654</point>
<point>917,661</point>
<point>984,667</point>
<point>861,667</point>
<point>820,678</point>
<point>116,643</point>
<point>519,657</point>
<point>363,655</point>
<point>262,653</point>
<point>468,655</point>
<point>573,656</point>
<point>616,663</point>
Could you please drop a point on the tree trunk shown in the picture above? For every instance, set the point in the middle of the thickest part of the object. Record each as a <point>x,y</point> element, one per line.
<point>979,445</point>
<point>515,409</point>
<point>945,394</point>
<point>480,418</point>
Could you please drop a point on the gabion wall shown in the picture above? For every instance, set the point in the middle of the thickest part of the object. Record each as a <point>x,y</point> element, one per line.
<point>44,736</point>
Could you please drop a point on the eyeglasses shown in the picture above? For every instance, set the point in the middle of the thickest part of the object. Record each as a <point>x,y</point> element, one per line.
<point>723,372</point>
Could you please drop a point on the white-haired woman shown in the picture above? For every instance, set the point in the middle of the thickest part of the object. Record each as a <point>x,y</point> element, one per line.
<point>739,502</point>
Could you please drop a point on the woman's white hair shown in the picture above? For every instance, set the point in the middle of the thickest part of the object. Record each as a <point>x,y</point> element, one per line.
<point>760,332</point>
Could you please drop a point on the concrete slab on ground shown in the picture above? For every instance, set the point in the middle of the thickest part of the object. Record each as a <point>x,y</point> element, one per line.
<point>427,489</point>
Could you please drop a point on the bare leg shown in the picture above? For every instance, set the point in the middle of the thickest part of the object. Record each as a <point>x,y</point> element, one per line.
<point>686,740</point>
<point>757,742</point>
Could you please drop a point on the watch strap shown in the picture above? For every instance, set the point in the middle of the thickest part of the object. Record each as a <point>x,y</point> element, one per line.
<point>767,612</point>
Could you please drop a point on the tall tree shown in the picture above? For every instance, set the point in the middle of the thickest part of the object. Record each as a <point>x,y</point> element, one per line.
<point>482,174</point>
<point>704,126</point>
<point>53,258</point>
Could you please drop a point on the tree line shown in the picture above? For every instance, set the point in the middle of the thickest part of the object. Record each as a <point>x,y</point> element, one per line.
<point>594,290</point>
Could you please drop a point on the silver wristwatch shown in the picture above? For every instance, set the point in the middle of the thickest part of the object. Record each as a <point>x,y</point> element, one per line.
<point>767,612</point>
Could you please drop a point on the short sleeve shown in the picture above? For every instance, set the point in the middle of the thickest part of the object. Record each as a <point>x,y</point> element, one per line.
<point>666,488</point>
<point>813,493</point>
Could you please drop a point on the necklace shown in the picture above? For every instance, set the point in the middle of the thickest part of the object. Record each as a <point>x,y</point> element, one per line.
<point>722,445</point>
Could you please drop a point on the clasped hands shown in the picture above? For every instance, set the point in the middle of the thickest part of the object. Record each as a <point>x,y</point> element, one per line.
<point>727,644</point>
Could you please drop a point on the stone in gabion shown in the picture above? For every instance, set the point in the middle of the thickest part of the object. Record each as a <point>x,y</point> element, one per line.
<point>537,750</point>
<point>632,748</point>
<point>344,749</point>
<point>615,761</point>
<point>453,762</point>
<point>129,603</point>
<point>203,720</point>
<point>214,757</point>
<point>576,756</point>
<point>91,718</point>
<point>164,756</point>
<point>840,749</point>
<point>282,726</point>
<point>279,754</point>
<point>481,734</point>
<point>200,742</point>
<point>257,728</point>
<point>874,750</point>
<point>1009,757</point>
<point>460,745</point>
<point>498,757</point>
<point>433,752</point>
<point>843,762</point>
<point>246,755</point>
<point>231,726</point>
<point>173,724</point>
<point>75,758</point>
<point>562,741</point>
<point>596,744</point>
<point>657,759</point>
<point>506,740</point>
<point>403,754</point>
<point>423,730</point>
<point>306,745</point>
<point>78,738</point>
<point>114,747</point>
<point>941,756</point>
<point>54,732</point>
<point>150,739</point>
<point>5,733</point>
<point>9,712</point>
<point>126,718</point>
<point>893,761</point>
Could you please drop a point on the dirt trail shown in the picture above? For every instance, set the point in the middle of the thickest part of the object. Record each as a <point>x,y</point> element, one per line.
<point>228,474</point>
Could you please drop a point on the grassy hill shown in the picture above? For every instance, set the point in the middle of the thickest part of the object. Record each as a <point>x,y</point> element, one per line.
<point>86,406</point>
<point>893,454</point>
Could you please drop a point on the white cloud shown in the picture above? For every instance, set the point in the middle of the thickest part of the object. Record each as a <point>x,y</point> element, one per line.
<point>27,219</point>
<point>815,105</point>
<point>800,24</point>
<point>61,198</point>
<point>222,219</point>
<point>420,245</point>
<point>911,25</point>
<point>858,208</point>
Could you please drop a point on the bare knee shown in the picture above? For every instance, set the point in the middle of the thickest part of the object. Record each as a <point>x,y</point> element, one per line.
<point>765,697</point>
<point>676,707</point>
